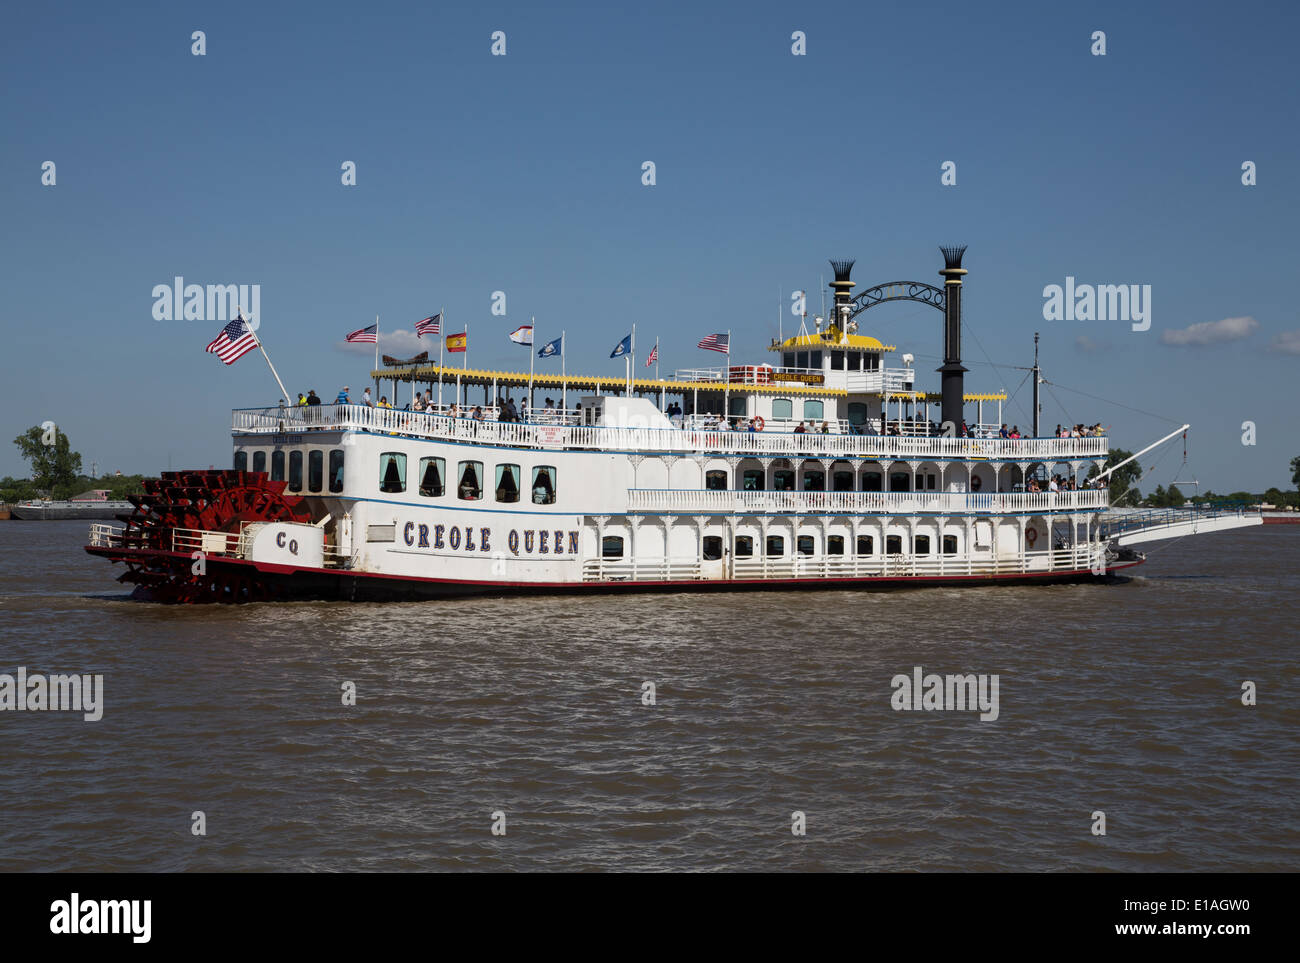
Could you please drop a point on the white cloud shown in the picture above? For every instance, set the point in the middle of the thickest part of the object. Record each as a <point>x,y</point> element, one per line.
<point>1288,342</point>
<point>1089,345</point>
<point>1210,332</point>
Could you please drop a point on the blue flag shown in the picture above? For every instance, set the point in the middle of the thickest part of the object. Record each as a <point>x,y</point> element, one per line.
<point>623,348</point>
<point>551,349</point>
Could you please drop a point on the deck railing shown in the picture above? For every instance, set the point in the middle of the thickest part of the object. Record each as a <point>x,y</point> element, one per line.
<point>601,438</point>
<point>813,567</point>
<point>831,503</point>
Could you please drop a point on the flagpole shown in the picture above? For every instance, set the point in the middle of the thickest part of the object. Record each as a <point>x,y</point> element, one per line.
<point>631,361</point>
<point>442,343</point>
<point>726,391</point>
<point>532,341</point>
<point>376,399</point>
<point>267,357</point>
<point>564,376</point>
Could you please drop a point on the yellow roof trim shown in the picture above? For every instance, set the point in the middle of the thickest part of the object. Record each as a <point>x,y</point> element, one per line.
<point>831,338</point>
<point>937,396</point>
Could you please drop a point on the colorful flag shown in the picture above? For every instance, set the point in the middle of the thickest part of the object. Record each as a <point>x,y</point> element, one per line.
<point>551,348</point>
<point>717,342</point>
<point>457,342</point>
<point>431,325</point>
<point>235,340</point>
<point>368,335</point>
<point>654,355</point>
<point>522,335</point>
<point>623,348</point>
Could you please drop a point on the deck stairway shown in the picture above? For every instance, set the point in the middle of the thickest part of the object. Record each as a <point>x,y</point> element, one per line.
<point>1132,528</point>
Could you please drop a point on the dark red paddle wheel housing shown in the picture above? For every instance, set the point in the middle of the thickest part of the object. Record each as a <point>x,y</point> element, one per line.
<point>208,501</point>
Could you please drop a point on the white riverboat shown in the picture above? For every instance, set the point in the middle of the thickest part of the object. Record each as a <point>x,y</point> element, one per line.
<point>825,468</point>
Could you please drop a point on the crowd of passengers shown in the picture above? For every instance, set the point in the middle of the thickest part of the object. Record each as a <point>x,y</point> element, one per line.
<point>506,410</point>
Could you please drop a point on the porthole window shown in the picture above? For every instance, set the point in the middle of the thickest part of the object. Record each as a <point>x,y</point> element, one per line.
<point>893,544</point>
<point>392,472</point>
<point>544,485</point>
<point>507,483</point>
<point>775,546</point>
<point>950,545</point>
<point>866,545</point>
<point>432,473</point>
<point>469,487</point>
<point>712,548</point>
<point>315,470</point>
<point>611,546</point>
<point>922,545</point>
<point>744,546</point>
<point>834,544</point>
<point>805,544</point>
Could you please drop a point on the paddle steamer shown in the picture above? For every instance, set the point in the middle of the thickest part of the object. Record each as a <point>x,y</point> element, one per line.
<point>885,485</point>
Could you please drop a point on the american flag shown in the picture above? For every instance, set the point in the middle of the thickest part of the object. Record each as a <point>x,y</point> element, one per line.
<point>717,342</point>
<point>368,335</point>
<point>654,355</point>
<point>431,325</point>
<point>235,340</point>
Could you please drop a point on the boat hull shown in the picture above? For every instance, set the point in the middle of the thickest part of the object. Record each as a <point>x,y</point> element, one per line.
<point>247,581</point>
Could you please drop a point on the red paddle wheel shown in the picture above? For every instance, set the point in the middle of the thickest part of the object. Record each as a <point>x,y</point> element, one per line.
<point>206,501</point>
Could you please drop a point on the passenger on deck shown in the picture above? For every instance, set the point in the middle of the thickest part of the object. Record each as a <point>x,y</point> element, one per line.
<point>1002,432</point>
<point>825,428</point>
<point>1015,431</point>
<point>312,397</point>
<point>342,398</point>
<point>799,429</point>
<point>383,400</point>
<point>454,411</point>
<point>302,400</point>
<point>366,399</point>
<point>418,404</point>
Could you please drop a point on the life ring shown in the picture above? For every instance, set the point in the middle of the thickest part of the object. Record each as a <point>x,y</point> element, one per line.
<point>975,483</point>
<point>759,423</point>
<point>1031,536</point>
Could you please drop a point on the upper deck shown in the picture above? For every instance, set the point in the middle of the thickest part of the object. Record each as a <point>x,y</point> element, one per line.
<point>561,433</point>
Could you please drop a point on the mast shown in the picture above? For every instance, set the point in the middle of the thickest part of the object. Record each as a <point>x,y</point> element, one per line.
<point>1037,379</point>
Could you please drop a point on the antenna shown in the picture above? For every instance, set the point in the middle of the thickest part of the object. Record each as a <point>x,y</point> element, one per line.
<point>1037,407</point>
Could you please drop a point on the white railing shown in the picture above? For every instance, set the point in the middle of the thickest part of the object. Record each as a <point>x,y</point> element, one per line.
<point>106,536</point>
<point>758,567</point>
<point>831,503</point>
<point>600,438</point>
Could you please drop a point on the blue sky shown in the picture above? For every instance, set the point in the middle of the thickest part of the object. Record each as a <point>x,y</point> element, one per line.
<point>522,174</point>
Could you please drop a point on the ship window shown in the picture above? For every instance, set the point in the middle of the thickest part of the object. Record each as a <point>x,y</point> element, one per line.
<point>812,410</point>
<point>744,546</point>
<point>241,461</point>
<point>787,359</point>
<point>432,473</point>
<point>801,359</point>
<point>842,481</point>
<point>392,472</point>
<point>921,545</point>
<point>782,409</point>
<point>259,461</point>
<point>893,544</point>
<point>315,470</point>
<point>507,483</point>
<point>834,544</point>
<point>804,544</point>
<point>775,546</point>
<point>837,360</point>
<point>950,545</point>
<point>871,362</point>
<point>611,546</point>
<point>753,480</point>
<point>470,486</point>
<point>544,485</point>
<point>295,471</point>
<point>814,481</point>
<point>930,482</point>
<point>277,466</point>
<point>737,406</point>
<point>857,413</point>
<point>783,480</point>
<point>866,545</point>
<point>712,548</point>
<point>900,481</point>
<point>815,360</point>
<point>336,470</point>
<point>871,481</point>
<point>715,481</point>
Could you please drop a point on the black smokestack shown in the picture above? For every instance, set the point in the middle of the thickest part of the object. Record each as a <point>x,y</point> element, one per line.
<point>952,384</point>
<point>842,287</point>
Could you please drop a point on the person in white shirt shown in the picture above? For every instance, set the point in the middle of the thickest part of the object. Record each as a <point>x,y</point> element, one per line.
<point>1052,486</point>
<point>365,399</point>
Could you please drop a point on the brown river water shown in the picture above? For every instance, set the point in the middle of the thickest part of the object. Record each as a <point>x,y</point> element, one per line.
<point>1123,698</point>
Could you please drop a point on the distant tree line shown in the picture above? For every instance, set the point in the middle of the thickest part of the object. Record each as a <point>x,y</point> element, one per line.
<point>56,471</point>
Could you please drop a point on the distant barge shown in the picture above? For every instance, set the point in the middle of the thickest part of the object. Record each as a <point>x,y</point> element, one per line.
<point>94,505</point>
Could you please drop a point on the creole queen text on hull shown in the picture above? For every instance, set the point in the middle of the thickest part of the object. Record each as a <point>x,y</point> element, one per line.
<point>359,503</point>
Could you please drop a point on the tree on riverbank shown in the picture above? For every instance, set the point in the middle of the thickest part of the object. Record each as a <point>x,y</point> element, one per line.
<point>55,466</point>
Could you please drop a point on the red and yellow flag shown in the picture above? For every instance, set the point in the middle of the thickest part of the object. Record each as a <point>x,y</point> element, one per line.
<point>457,342</point>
